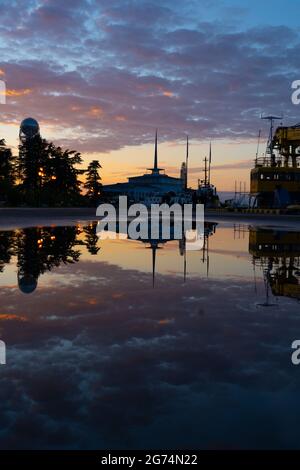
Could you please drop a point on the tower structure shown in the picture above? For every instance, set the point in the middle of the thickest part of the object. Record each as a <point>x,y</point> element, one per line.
<point>29,129</point>
<point>155,170</point>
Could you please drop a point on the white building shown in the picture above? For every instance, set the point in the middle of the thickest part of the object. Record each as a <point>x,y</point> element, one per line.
<point>154,186</point>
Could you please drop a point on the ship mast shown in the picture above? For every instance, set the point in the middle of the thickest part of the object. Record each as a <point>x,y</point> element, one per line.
<point>269,150</point>
<point>209,163</point>
<point>186,162</point>
<point>257,150</point>
<point>205,171</point>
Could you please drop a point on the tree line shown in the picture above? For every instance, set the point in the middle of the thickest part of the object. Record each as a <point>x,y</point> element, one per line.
<point>45,175</point>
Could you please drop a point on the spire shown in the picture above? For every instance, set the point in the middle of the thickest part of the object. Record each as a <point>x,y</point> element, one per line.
<point>153,264</point>
<point>155,170</point>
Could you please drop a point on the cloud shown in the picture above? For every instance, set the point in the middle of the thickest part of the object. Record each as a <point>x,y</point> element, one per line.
<point>144,65</point>
<point>227,166</point>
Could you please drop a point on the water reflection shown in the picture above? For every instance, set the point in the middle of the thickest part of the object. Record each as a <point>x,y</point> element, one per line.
<point>6,248</point>
<point>97,358</point>
<point>277,254</point>
<point>40,249</point>
<point>157,244</point>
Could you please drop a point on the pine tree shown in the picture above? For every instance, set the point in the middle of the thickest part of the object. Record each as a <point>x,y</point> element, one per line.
<point>30,169</point>
<point>92,184</point>
<point>61,175</point>
<point>48,175</point>
<point>7,171</point>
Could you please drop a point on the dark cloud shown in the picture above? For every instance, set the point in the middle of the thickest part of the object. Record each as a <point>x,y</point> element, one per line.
<point>108,73</point>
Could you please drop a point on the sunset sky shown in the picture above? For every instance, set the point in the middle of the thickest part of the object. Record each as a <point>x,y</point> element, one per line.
<point>100,76</point>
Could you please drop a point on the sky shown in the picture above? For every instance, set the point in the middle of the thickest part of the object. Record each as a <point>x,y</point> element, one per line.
<point>101,75</point>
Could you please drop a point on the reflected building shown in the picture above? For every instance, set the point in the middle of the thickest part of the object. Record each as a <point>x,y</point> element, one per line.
<point>277,253</point>
<point>158,243</point>
<point>41,249</point>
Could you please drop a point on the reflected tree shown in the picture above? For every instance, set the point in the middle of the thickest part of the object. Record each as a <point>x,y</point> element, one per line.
<point>40,250</point>
<point>91,238</point>
<point>6,248</point>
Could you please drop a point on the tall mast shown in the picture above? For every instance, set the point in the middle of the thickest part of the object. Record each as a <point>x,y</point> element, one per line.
<point>186,161</point>
<point>205,171</point>
<point>271,119</point>
<point>184,262</point>
<point>257,150</point>
<point>209,163</point>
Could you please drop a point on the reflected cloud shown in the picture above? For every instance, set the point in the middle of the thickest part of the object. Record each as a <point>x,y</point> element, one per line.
<point>104,361</point>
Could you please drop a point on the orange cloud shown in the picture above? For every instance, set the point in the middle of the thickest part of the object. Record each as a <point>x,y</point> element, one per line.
<point>117,295</point>
<point>168,93</point>
<point>120,118</point>
<point>9,316</point>
<point>154,89</point>
<point>2,72</point>
<point>165,321</point>
<point>95,111</point>
<point>13,92</point>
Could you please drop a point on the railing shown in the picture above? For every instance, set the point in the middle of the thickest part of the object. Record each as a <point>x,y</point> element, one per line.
<point>274,162</point>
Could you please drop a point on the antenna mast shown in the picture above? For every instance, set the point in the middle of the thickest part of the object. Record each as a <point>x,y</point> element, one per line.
<point>209,163</point>
<point>271,119</point>
<point>187,161</point>
<point>205,171</point>
<point>257,150</point>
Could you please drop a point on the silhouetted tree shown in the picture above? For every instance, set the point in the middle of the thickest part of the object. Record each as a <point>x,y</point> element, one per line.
<point>7,171</point>
<point>92,184</point>
<point>48,175</point>
<point>30,167</point>
<point>61,176</point>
